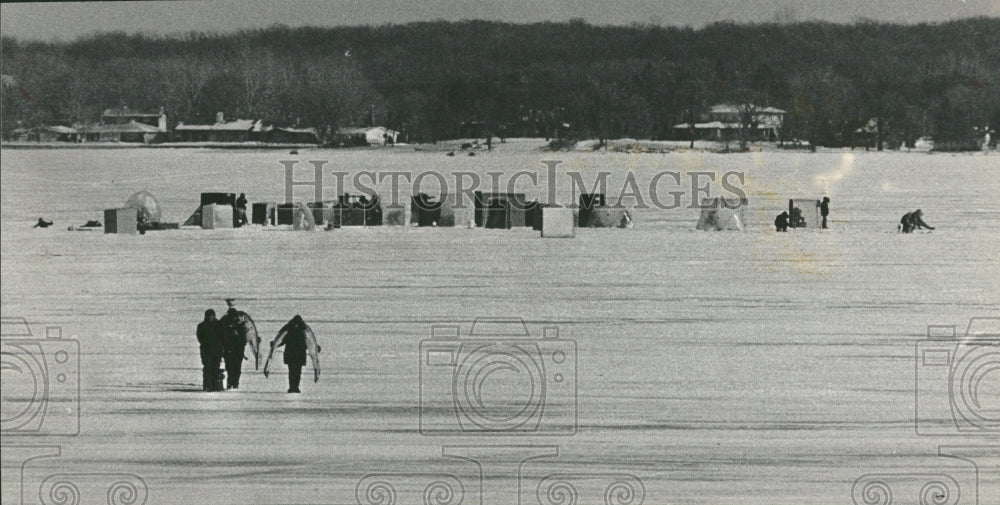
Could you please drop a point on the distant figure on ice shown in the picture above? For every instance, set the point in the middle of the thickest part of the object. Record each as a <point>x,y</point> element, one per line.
<point>913,221</point>
<point>298,339</point>
<point>210,335</point>
<point>824,209</point>
<point>240,330</point>
<point>42,223</point>
<point>781,222</point>
<point>796,220</point>
<point>241,210</point>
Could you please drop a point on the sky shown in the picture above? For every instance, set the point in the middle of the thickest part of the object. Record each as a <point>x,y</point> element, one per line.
<point>69,20</point>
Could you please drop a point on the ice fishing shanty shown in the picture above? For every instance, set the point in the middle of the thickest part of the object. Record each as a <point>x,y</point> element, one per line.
<point>503,210</point>
<point>141,212</point>
<point>347,210</point>
<point>594,212</point>
<point>804,213</point>
<point>426,210</point>
<point>222,213</point>
<point>720,214</point>
<point>354,210</point>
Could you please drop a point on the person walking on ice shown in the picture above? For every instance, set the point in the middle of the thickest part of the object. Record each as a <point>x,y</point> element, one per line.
<point>210,335</point>
<point>298,339</point>
<point>240,332</point>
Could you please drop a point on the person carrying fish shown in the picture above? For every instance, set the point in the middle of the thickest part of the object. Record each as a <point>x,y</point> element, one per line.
<point>299,340</point>
<point>240,331</point>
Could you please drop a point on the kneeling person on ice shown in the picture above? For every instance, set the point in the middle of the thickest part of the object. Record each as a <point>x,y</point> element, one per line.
<point>298,339</point>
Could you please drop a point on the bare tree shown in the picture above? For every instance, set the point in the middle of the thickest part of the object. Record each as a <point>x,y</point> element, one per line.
<point>748,115</point>
<point>186,80</point>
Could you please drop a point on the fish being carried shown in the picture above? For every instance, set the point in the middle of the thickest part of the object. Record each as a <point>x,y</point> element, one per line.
<point>244,330</point>
<point>299,340</point>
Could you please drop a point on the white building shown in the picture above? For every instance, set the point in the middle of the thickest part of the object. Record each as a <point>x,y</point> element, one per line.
<point>367,135</point>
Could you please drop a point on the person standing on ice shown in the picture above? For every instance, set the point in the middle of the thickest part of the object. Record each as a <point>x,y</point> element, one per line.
<point>299,340</point>
<point>824,209</point>
<point>210,335</point>
<point>241,210</point>
<point>781,222</point>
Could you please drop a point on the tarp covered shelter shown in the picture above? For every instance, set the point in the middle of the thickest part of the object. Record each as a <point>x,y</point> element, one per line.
<point>595,213</point>
<point>263,213</point>
<point>356,210</point>
<point>213,199</point>
<point>557,222</point>
<point>319,212</point>
<point>303,219</point>
<point>146,205</point>
<point>804,213</point>
<point>501,210</point>
<point>426,210</point>
<point>718,214</point>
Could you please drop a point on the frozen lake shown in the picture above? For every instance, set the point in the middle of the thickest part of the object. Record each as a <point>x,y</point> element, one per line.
<point>714,368</point>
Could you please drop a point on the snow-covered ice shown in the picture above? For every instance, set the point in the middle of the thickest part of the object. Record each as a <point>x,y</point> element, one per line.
<point>716,368</point>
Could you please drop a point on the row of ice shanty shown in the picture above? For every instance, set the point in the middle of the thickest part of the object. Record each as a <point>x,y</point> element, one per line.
<point>490,210</point>
<point>142,212</point>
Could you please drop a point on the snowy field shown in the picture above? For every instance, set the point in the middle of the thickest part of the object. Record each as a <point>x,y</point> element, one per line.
<point>712,368</point>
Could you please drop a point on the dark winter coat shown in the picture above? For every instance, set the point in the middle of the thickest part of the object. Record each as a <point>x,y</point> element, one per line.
<point>913,221</point>
<point>210,337</point>
<point>232,340</point>
<point>781,222</point>
<point>295,344</point>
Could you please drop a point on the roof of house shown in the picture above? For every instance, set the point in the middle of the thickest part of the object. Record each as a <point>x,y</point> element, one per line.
<point>719,124</point>
<point>726,108</point>
<point>237,125</point>
<point>60,129</point>
<point>130,127</point>
<point>125,112</point>
<point>296,130</point>
<point>361,130</point>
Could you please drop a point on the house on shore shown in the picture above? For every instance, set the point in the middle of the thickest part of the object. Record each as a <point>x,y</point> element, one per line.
<point>283,135</point>
<point>125,125</point>
<point>240,130</point>
<point>724,121</point>
<point>131,132</point>
<point>365,136</point>
<point>55,133</point>
<point>124,115</point>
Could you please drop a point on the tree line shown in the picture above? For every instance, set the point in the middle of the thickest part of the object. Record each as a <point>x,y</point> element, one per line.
<point>432,79</point>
